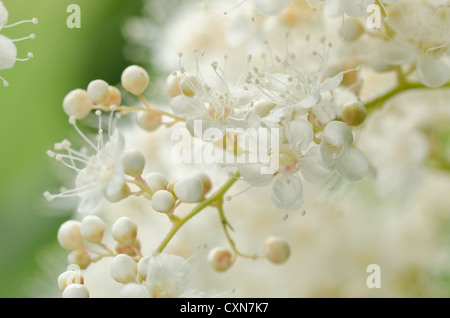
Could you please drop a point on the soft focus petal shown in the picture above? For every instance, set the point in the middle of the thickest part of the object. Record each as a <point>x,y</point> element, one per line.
<point>287,193</point>
<point>3,14</point>
<point>251,173</point>
<point>337,134</point>
<point>325,157</point>
<point>299,133</point>
<point>8,53</point>
<point>356,8</point>
<point>397,53</point>
<point>90,200</point>
<point>352,165</point>
<point>270,7</point>
<point>432,72</point>
<point>187,107</point>
<point>312,170</point>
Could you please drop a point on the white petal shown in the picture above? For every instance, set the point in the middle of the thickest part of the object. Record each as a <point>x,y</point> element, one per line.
<point>287,193</point>
<point>338,134</point>
<point>332,82</point>
<point>8,53</point>
<point>187,107</point>
<point>251,173</point>
<point>299,133</point>
<point>325,157</point>
<point>352,165</point>
<point>116,181</point>
<point>325,112</point>
<point>397,53</point>
<point>432,72</point>
<point>356,8</point>
<point>3,14</point>
<point>309,101</point>
<point>278,113</point>
<point>90,200</point>
<point>270,7</point>
<point>312,170</point>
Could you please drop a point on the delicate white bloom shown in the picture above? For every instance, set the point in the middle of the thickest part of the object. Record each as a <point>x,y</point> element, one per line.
<point>102,174</point>
<point>8,50</point>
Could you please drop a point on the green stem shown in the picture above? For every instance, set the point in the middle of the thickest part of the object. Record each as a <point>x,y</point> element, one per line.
<point>177,223</point>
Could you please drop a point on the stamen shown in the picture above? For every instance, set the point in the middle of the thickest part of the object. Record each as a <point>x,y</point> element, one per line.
<point>32,36</point>
<point>34,21</point>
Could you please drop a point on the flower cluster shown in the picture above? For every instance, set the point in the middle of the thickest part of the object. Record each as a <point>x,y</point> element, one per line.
<point>286,115</point>
<point>8,50</point>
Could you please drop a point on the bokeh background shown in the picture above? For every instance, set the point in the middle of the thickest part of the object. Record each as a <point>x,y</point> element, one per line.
<point>31,119</point>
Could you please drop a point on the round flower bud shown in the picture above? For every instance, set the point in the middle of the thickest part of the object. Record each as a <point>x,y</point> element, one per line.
<point>76,291</point>
<point>134,290</point>
<point>92,229</point>
<point>338,135</point>
<point>163,201</point>
<point>135,79</point>
<point>124,230</point>
<point>156,181</point>
<point>77,104</point>
<point>116,197</point>
<point>79,257</point>
<point>276,250</point>
<point>69,277</point>
<point>98,91</point>
<point>220,258</point>
<point>128,249</point>
<point>133,162</point>
<point>114,96</point>
<point>69,235</point>
<point>123,269</point>
<point>354,113</point>
<point>189,84</point>
<point>189,189</point>
<point>149,121</point>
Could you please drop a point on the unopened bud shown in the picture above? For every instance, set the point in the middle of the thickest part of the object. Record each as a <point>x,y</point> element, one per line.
<point>77,104</point>
<point>124,230</point>
<point>69,277</point>
<point>189,189</point>
<point>220,258</point>
<point>69,235</point>
<point>156,181</point>
<point>133,162</point>
<point>114,96</point>
<point>92,229</point>
<point>98,91</point>
<point>149,121</point>
<point>163,201</point>
<point>76,291</point>
<point>79,257</point>
<point>276,250</point>
<point>123,269</point>
<point>135,79</point>
<point>354,113</point>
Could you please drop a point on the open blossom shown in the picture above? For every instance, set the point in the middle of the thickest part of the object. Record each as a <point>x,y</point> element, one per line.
<point>99,176</point>
<point>8,50</point>
<point>420,36</point>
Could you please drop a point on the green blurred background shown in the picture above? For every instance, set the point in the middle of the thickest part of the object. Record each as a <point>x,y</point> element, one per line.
<point>31,120</point>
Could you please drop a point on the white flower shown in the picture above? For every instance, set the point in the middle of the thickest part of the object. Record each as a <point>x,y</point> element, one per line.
<point>102,174</point>
<point>8,50</point>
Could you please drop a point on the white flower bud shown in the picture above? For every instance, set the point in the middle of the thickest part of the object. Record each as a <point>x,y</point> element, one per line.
<point>172,84</point>
<point>77,104</point>
<point>189,189</point>
<point>76,291</point>
<point>124,230</point>
<point>163,201</point>
<point>133,162</point>
<point>114,96</point>
<point>354,113</point>
<point>220,258</point>
<point>207,184</point>
<point>338,135</point>
<point>123,269</point>
<point>134,290</point>
<point>135,79</point>
<point>186,84</point>
<point>98,91</point>
<point>69,235</point>
<point>276,250</point>
<point>156,181</point>
<point>116,197</point>
<point>79,257</point>
<point>149,121</point>
<point>69,277</point>
<point>92,229</point>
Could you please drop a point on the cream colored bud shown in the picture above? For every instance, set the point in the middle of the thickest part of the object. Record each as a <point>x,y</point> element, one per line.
<point>114,96</point>
<point>69,277</point>
<point>189,188</point>
<point>354,113</point>
<point>135,79</point>
<point>124,230</point>
<point>123,269</point>
<point>163,201</point>
<point>69,235</point>
<point>92,229</point>
<point>276,250</point>
<point>98,91</point>
<point>221,258</point>
<point>79,257</point>
<point>156,181</point>
<point>116,197</point>
<point>133,290</point>
<point>149,121</point>
<point>142,266</point>
<point>172,84</point>
<point>207,183</point>
<point>77,104</point>
<point>76,291</point>
<point>133,162</point>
